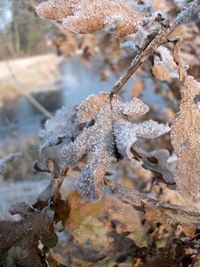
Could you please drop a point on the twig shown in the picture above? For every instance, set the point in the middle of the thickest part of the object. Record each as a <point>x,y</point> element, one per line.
<point>159,39</point>
<point>33,101</point>
<point>154,209</point>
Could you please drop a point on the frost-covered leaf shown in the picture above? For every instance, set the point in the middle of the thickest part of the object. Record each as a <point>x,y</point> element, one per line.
<point>108,130</point>
<point>164,69</point>
<point>127,134</point>
<point>86,16</point>
<point>185,137</point>
<point>62,125</point>
<point>4,161</point>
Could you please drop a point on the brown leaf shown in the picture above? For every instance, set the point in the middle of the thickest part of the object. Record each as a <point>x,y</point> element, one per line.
<point>20,239</point>
<point>155,161</point>
<point>88,16</point>
<point>185,138</point>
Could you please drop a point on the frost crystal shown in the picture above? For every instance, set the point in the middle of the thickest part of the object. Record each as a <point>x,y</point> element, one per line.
<point>185,138</point>
<point>87,16</point>
<point>57,128</point>
<point>108,130</point>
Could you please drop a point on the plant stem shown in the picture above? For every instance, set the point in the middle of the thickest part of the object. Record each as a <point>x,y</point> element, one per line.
<point>159,39</point>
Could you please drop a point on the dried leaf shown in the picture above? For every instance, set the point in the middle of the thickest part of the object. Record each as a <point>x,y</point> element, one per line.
<point>20,239</point>
<point>51,195</point>
<point>59,127</point>
<point>164,69</point>
<point>155,161</point>
<point>107,126</point>
<point>185,138</point>
<point>126,134</point>
<point>88,16</point>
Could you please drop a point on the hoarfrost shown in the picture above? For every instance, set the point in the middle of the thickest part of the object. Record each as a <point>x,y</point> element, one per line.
<point>108,129</point>
<point>88,16</point>
<point>62,125</point>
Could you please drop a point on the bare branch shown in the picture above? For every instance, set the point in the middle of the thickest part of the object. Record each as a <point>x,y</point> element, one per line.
<point>154,209</point>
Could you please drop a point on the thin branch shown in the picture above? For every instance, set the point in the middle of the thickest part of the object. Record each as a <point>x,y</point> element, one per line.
<point>154,209</point>
<point>31,99</point>
<point>159,39</point>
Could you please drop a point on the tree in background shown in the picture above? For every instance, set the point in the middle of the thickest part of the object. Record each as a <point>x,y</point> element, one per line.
<point>21,32</point>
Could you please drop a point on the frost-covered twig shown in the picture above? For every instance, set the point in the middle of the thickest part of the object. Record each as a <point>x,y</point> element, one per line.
<point>159,39</point>
<point>154,209</point>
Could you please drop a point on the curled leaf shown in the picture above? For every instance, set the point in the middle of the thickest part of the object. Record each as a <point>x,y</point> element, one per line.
<point>165,68</point>
<point>127,134</point>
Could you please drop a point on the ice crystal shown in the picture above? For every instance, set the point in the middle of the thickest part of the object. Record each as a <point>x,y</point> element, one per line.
<point>185,138</point>
<point>57,128</point>
<point>108,130</point>
<point>87,16</point>
<point>126,134</point>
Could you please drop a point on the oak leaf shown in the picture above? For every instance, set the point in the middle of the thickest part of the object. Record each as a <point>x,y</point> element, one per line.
<point>109,131</point>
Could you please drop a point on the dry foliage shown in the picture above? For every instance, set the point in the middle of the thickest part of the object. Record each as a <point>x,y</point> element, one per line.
<point>109,130</point>
<point>185,138</point>
<point>20,239</point>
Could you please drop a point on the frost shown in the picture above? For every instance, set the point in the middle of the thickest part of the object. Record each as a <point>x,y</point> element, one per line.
<point>127,133</point>
<point>185,137</point>
<point>164,69</point>
<point>156,210</point>
<point>108,130</point>
<point>57,128</point>
<point>88,16</point>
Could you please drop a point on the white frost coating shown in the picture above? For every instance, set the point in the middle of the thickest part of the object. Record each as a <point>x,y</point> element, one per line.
<point>88,16</point>
<point>125,138</point>
<point>150,129</point>
<point>106,126</point>
<point>126,134</point>
<point>57,128</point>
<point>135,108</point>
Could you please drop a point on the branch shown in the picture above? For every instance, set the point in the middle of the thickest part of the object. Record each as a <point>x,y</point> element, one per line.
<point>152,45</point>
<point>31,99</point>
<point>154,209</point>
